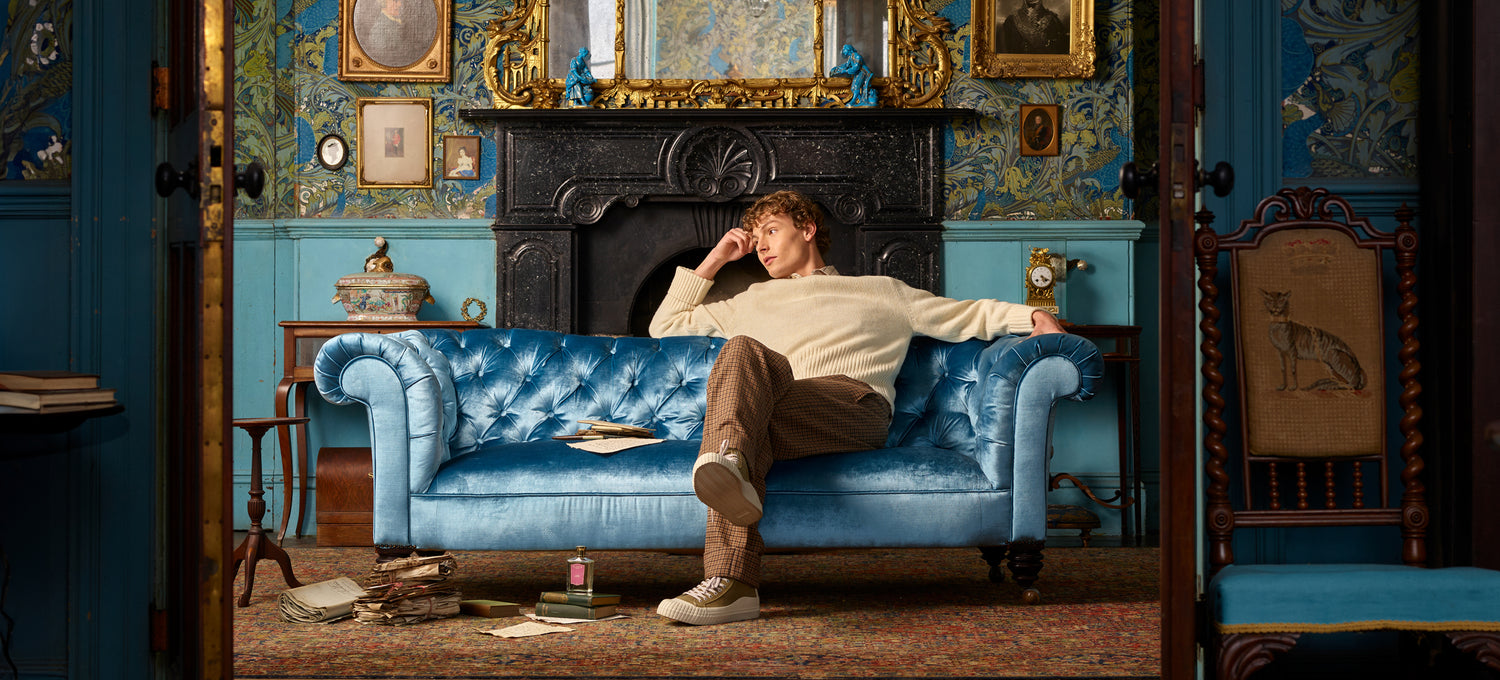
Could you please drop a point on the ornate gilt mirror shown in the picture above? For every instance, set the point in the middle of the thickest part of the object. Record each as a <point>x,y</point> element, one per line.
<point>656,54</point>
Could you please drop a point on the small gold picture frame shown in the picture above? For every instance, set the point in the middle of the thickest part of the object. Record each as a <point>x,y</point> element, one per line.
<point>1040,128</point>
<point>460,157</point>
<point>393,146</point>
<point>395,40</point>
<point>1032,39</point>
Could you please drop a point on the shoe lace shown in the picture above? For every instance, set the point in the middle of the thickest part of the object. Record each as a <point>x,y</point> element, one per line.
<point>708,589</point>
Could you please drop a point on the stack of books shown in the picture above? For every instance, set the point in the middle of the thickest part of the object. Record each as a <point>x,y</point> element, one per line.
<point>603,429</point>
<point>52,392</point>
<point>564,604</point>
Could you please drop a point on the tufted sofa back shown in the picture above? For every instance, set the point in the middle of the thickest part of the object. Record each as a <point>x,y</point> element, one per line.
<point>520,385</point>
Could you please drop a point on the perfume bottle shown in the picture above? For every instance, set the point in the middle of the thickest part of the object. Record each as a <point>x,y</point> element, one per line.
<point>580,573</point>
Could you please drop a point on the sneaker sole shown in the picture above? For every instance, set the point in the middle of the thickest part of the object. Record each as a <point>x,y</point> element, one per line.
<point>717,482</point>
<point>743,609</point>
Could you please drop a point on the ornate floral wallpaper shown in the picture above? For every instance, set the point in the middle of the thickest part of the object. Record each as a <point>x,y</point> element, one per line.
<point>759,39</point>
<point>987,178</point>
<point>36,100</point>
<point>289,96</point>
<point>1349,87</point>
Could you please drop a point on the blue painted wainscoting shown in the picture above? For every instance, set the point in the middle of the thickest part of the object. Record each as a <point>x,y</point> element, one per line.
<point>987,259</point>
<point>285,270</point>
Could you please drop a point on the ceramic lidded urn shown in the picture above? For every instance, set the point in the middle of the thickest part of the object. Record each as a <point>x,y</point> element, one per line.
<point>379,293</point>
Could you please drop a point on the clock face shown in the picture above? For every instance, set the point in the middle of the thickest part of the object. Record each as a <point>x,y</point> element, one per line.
<point>1040,276</point>
<point>332,152</point>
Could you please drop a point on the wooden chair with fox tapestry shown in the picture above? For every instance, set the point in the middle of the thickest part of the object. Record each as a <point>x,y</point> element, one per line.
<point>1305,286</point>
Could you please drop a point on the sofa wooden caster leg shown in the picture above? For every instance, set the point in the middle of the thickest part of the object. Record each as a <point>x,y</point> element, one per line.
<point>995,556</point>
<point>1025,565</point>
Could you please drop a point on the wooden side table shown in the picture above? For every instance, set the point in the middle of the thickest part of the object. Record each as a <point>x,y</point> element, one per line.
<point>1125,353</point>
<point>257,545</point>
<point>301,342</point>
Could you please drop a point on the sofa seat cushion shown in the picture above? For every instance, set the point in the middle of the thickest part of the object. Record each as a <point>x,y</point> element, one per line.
<point>549,467</point>
<point>1288,598</point>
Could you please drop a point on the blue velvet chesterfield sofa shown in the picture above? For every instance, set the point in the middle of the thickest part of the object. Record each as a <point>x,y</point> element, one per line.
<point>461,427</point>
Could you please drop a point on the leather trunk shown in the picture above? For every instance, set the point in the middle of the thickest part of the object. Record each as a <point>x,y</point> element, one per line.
<point>345,496</point>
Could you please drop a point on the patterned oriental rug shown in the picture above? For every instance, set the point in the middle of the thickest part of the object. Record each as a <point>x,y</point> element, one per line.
<point>834,614</point>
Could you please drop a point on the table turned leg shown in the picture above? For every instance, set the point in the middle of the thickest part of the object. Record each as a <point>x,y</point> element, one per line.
<point>299,395</point>
<point>284,437</point>
<point>258,545</point>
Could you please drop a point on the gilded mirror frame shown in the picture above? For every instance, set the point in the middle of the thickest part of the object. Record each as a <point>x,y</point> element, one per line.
<point>518,75</point>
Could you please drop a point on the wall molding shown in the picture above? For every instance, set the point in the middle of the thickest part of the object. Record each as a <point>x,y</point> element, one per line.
<point>412,228</point>
<point>1037,230</point>
<point>35,200</point>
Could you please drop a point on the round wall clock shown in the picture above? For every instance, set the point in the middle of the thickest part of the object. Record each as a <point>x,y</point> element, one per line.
<point>333,151</point>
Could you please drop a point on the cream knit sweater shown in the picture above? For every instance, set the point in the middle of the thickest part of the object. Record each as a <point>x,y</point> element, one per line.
<point>857,326</point>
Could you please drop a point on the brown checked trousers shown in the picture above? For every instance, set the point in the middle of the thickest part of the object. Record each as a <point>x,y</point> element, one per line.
<point>756,406</point>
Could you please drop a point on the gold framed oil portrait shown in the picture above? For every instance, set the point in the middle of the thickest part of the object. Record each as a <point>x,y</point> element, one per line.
<point>1040,128</point>
<point>1032,39</point>
<point>395,40</point>
<point>393,143</point>
<point>460,156</point>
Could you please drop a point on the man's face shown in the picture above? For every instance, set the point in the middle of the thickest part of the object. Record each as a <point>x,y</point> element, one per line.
<point>783,248</point>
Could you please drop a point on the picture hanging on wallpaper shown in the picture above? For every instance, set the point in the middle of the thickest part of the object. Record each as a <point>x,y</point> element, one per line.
<point>1032,39</point>
<point>460,157</point>
<point>393,147</point>
<point>1039,129</point>
<point>395,40</point>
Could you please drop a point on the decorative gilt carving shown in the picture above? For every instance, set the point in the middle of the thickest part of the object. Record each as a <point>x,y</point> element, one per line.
<point>517,73</point>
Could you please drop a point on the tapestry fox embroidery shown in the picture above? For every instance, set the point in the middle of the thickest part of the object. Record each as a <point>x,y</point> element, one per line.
<point>1296,341</point>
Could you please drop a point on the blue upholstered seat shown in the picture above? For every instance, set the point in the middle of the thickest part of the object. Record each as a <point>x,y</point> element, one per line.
<point>1327,598</point>
<point>461,426</point>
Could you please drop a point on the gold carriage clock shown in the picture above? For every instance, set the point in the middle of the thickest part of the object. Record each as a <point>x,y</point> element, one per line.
<point>1041,279</point>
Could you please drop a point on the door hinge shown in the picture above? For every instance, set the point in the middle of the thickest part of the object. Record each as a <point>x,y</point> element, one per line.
<point>1198,93</point>
<point>161,98</point>
<point>159,642</point>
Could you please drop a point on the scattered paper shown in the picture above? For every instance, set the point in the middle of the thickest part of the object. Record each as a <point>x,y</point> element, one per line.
<point>560,619</point>
<point>322,602</point>
<point>527,629</point>
<point>612,444</point>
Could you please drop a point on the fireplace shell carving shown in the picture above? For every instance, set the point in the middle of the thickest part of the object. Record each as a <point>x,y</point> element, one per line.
<point>591,204</point>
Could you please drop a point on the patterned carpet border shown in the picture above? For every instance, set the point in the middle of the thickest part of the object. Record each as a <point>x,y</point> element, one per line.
<point>862,614</point>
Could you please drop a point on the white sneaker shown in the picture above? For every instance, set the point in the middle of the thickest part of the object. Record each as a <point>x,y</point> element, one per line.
<point>721,479</point>
<point>715,600</point>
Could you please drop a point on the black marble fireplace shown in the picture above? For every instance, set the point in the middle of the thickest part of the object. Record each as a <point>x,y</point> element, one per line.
<point>596,207</point>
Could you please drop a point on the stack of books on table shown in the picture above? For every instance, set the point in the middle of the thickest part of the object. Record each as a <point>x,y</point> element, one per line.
<point>603,429</point>
<point>52,392</point>
<point>563,604</point>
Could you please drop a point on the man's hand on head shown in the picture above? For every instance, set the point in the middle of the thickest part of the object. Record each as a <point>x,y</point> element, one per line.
<point>1043,323</point>
<point>735,244</point>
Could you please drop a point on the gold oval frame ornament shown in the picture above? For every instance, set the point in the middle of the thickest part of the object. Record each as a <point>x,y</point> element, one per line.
<point>516,69</point>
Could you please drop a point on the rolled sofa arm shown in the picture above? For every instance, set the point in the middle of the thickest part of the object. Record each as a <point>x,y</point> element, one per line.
<point>410,415</point>
<point>1022,379</point>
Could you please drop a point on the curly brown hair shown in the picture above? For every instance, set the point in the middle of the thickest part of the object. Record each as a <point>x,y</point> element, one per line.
<point>803,211</point>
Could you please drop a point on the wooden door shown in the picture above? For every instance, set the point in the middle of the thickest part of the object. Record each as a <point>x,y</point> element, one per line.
<point>198,178</point>
<point>1176,190</point>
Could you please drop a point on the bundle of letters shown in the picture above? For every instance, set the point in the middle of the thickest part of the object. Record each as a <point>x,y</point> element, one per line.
<point>409,590</point>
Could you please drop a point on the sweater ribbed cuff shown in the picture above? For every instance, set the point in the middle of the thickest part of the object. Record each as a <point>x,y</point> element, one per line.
<point>688,287</point>
<point>1018,320</point>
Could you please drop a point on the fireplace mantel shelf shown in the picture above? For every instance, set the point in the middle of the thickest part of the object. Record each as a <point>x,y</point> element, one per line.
<point>628,116</point>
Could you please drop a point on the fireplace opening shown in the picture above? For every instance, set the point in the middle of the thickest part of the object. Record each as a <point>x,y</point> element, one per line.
<point>730,280</point>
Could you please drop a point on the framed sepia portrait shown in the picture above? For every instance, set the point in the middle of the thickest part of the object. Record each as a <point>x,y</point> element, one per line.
<point>392,143</point>
<point>1032,39</point>
<point>460,157</point>
<point>1040,129</point>
<point>405,40</point>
